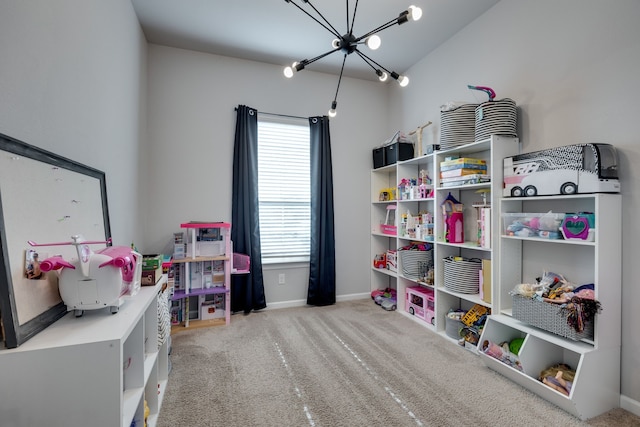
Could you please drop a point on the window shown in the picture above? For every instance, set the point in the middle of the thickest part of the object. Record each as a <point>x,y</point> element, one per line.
<point>284,189</point>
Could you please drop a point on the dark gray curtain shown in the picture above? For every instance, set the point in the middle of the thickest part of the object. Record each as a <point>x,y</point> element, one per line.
<point>322,260</point>
<point>247,291</point>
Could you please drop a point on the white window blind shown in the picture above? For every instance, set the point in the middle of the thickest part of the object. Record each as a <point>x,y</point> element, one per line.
<point>284,191</point>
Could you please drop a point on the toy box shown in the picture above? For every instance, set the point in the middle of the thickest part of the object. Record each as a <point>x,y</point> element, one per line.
<point>378,157</point>
<point>420,303</point>
<point>151,262</point>
<point>398,151</point>
<point>541,225</point>
<point>150,277</point>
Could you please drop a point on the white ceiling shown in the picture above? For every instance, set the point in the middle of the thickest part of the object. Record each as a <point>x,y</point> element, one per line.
<point>277,32</point>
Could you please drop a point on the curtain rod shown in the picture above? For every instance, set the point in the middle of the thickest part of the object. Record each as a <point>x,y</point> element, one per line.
<point>278,115</point>
<point>283,115</point>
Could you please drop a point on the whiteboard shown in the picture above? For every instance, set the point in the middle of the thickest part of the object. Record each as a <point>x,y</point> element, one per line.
<point>43,198</point>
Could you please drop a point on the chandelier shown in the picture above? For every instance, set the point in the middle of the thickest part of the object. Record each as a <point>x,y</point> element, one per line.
<point>348,44</point>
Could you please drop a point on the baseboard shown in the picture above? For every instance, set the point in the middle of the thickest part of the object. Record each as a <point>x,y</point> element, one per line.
<point>630,405</point>
<point>352,297</point>
<point>303,302</point>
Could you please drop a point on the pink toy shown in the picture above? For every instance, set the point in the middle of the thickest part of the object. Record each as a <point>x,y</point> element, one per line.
<point>455,228</point>
<point>123,258</point>
<point>420,303</point>
<point>54,263</point>
<point>95,280</point>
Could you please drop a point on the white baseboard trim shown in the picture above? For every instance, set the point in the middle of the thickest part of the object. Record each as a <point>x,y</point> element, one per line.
<point>630,405</point>
<point>303,302</point>
<point>352,297</point>
<point>286,304</point>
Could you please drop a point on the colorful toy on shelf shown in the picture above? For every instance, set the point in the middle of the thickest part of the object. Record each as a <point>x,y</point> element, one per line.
<point>501,352</point>
<point>389,227</point>
<point>426,188</point>
<point>577,168</point>
<point>95,280</point>
<point>559,377</point>
<point>380,261</point>
<point>452,220</point>
<point>579,226</point>
<point>421,303</point>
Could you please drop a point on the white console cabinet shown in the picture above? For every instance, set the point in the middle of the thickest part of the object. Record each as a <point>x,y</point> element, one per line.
<point>95,370</point>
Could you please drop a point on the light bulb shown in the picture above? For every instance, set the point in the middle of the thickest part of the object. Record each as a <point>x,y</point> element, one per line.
<point>403,81</point>
<point>332,111</point>
<point>335,43</point>
<point>288,72</point>
<point>373,42</point>
<point>383,76</point>
<point>415,12</point>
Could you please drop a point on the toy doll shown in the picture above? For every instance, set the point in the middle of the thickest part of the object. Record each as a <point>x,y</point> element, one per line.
<point>559,377</point>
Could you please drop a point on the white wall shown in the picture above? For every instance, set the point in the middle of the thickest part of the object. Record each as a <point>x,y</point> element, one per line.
<point>189,153</point>
<point>72,82</point>
<point>572,68</point>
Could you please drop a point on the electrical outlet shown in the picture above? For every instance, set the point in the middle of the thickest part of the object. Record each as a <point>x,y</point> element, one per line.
<point>281,279</point>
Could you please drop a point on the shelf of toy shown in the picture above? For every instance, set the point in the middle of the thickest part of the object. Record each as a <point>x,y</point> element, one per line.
<point>385,271</point>
<point>181,293</point>
<point>196,225</point>
<point>466,245</point>
<point>200,259</point>
<point>552,241</point>
<point>579,347</point>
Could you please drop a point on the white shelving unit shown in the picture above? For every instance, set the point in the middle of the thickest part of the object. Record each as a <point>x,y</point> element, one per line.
<point>381,178</point>
<point>94,370</point>
<point>596,388</point>
<point>493,150</point>
<point>411,169</point>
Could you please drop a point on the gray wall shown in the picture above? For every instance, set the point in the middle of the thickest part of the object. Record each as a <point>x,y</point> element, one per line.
<point>72,81</point>
<point>572,68</point>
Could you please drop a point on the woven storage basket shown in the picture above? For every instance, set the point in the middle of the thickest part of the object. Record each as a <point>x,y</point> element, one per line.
<point>415,263</point>
<point>496,118</point>
<point>549,317</point>
<point>457,126</point>
<point>462,276</point>
<point>164,317</point>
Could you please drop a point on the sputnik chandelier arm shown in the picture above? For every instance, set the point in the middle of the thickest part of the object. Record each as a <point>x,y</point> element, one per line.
<point>402,80</point>
<point>348,44</point>
<point>331,30</point>
<point>334,104</point>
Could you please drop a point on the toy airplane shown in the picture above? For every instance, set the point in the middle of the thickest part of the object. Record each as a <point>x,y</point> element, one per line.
<point>95,280</point>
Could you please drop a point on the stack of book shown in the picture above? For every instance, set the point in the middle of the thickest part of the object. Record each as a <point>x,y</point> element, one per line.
<point>464,170</point>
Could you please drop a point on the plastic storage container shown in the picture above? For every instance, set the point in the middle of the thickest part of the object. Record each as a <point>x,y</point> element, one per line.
<point>542,225</point>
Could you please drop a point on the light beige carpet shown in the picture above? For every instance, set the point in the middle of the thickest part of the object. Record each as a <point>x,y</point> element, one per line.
<point>350,364</point>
